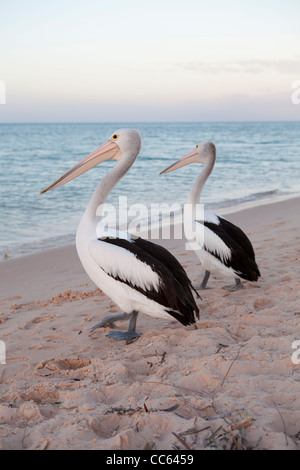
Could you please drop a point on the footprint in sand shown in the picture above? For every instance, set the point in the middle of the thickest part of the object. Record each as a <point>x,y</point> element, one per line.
<point>108,426</point>
<point>52,366</point>
<point>262,302</point>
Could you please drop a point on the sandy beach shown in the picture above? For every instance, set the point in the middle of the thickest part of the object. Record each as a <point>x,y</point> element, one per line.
<point>230,384</point>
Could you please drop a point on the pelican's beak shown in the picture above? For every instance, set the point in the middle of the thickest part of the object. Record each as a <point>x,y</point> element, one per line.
<point>107,151</point>
<point>192,157</point>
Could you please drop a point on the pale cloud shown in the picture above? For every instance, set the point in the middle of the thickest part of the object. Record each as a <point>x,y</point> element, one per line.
<point>290,66</point>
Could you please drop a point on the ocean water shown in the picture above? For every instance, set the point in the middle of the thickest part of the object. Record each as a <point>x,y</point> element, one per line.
<point>254,161</point>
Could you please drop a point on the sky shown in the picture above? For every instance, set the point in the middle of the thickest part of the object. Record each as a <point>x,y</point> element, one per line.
<point>157,60</point>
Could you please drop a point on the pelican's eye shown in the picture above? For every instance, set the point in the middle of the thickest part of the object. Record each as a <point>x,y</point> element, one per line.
<point>115,137</point>
<point>197,146</point>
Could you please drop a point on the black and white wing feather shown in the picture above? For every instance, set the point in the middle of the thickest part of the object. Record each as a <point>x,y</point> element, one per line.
<point>231,246</point>
<point>152,270</point>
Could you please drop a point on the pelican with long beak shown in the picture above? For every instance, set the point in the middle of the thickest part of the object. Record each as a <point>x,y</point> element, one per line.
<point>223,246</point>
<point>138,275</point>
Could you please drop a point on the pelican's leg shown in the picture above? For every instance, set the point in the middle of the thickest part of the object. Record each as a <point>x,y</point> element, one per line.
<point>130,333</point>
<point>238,285</point>
<point>204,281</point>
<point>110,320</point>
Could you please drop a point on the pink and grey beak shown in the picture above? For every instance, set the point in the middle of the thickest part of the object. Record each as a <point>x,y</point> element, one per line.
<point>107,151</point>
<point>192,157</point>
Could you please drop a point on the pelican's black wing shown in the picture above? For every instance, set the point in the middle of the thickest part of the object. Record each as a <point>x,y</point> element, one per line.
<point>174,291</point>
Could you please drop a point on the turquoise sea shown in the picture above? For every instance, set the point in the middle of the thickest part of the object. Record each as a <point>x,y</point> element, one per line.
<point>255,160</point>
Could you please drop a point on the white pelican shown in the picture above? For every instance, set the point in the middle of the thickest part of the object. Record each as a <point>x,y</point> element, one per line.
<point>139,276</point>
<point>225,247</point>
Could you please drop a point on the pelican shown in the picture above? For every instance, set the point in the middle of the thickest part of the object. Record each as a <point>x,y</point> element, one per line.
<point>224,246</point>
<point>138,275</point>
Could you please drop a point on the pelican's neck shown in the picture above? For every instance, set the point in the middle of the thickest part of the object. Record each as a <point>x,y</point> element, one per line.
<point>103,189</point>
<point>194,197</point>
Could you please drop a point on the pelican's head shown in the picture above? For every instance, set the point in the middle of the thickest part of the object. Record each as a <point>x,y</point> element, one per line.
<point>203,152</point>
<point>124,144</point>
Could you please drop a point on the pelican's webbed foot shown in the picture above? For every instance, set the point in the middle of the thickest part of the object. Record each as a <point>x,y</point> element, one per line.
<point>130,333</point>
<point>238,285</point>
<point>109,321</point>
<point>120,335</point>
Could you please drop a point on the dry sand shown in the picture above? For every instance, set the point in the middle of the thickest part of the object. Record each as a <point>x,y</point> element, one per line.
<point>229,384</point>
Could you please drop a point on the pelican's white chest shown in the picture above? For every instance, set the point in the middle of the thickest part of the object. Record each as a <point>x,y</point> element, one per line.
<point>110,258</point>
